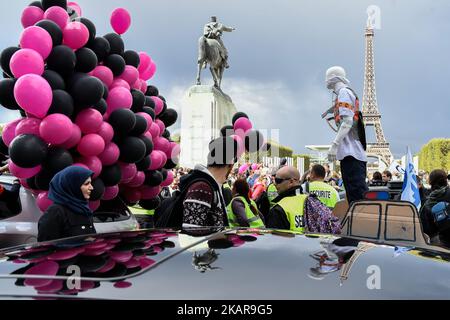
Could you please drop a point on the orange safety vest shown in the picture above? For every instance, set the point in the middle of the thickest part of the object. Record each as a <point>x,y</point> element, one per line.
<point>355,109</point>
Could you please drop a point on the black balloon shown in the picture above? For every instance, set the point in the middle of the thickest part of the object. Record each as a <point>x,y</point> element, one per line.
<point>150,204</point>
<point>116,63</point>
<point>149,102</point>
<point>57,159</point>
<point>111,175</point>
<point>28,151</point>
<point>164,173</point>
<point>53,29</point>
<point>101,48</point>
<point>152,91</point>
<point>122,121</point>
<point>148,145</point>
<point>140,127</point>
<point>62,103</point>
<point>227,131</point>
<point>171,163</point>
<point>5,58</point>
<point>3,147</point>
<point>70,81</point>
<point>51,3</point>
<point>116,43</point>
<point>143,164</point>
<point>162,98</point>
<point>55,81</point>
<point>42,179</point>
<point>132,150</point>
<point>91,27</point>
<point>132,58</point>
<point>169,117</point>
<point>31,182</point>
<point>101,106</point>
<point>105,92</point>
<point>36,4</point>
<point>62,59</point>
<point>138,100</point>
<point>239,115</point>
<point>7,94</point>
<point>99,189</point>
<point>153,178</point>
<point>150,112</point>
<point>87,91</point>
<point>166,134</point>
<point>254,140</point>
<point>86,60</point>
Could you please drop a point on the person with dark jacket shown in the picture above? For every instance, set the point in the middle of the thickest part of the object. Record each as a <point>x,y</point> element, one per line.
<point>287,182</point>
<point>70,215</point>
<point>10,200</point>
<point>440,192</point>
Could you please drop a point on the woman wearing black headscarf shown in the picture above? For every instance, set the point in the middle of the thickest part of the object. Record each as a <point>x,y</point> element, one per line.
<point>70,214</point>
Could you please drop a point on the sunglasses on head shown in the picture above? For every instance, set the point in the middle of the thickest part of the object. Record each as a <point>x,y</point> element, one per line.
<point>280,180</point>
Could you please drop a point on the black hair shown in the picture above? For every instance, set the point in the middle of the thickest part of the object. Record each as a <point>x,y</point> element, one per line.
<point>438,179</point>
<point>318,170</point>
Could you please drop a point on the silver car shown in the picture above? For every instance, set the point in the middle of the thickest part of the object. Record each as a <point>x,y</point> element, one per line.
<point>23,227</point>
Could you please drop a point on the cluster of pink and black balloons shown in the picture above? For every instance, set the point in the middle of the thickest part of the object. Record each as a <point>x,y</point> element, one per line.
<point>247,138</point>
<point>84,101</point>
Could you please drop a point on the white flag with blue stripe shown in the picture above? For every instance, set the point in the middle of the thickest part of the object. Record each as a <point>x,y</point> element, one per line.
<point>410,190</point>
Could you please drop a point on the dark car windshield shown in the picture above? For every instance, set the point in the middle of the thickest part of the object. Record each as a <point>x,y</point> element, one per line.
<point>112,211</point>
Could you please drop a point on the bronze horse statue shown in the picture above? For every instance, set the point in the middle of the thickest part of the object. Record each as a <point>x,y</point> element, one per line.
<point>209,54</point>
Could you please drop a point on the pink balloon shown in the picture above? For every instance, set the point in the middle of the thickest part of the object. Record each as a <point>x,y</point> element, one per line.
<point>33,94</point>
<point>23,173</point>
<point>129,170</point>
<point>9,132</point>
<point>132,195</point>
<point>163,159</point>
<point>93,163</point>
<point>240,143</point>
<point>120,20</point>
<point>147,118</point>
<point>154,130</point>
<point>119,82</point>
<point>110,193</point>
<point>176,150</point>
<point>168,180</point>
<point>145,62</point>
<point>149,72</point>
<point>76,35</point>
<point>74,139</point>
<point>150,192</point>
<point>143,86</point>
<point>28,126</point>
<point>75,6</point>
<point>119,98</point>
<point>91,145</point>
<point>31,15</point>
<point>56,128</point>
<point>137,85</point>
<point>37,39</point>
<point>148,135</point>
<point>43,202</point>
<point>243,168</point>
<point>161,144</point>
<point>110,155</point>
<point>89,120</point>
<point>104,74</point>
<point>156,160</point>
<point>106,132</point>
<point>26,61</point>
<point>243,124</point>
<point>130,75</point>
<point>161,126</point>
<point>57,15</point>
<point>159,105</point>
<point>138,180</point>
<point>94,205</point>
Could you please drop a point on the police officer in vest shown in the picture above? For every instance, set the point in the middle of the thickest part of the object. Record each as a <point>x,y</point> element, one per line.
<point>242,211</point>
<point>349,145</point>
<point>272,191</point>
<point>324,192</point>
<point>288,212</point>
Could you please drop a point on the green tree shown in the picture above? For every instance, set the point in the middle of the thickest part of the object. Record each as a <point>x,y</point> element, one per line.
<point>435,155</point>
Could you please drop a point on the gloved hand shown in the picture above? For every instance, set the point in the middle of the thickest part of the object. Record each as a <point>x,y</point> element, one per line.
<point>332,152</point>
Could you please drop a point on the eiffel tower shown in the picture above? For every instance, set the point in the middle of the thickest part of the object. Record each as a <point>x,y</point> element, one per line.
<point>371,114</point>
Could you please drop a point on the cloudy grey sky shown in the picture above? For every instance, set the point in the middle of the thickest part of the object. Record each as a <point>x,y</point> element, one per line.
<point>280,52</point>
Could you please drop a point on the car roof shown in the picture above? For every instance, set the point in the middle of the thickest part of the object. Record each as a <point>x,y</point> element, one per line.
<point>222,264</point>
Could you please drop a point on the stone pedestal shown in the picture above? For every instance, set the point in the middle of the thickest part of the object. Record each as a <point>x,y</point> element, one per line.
<point>204,112</point>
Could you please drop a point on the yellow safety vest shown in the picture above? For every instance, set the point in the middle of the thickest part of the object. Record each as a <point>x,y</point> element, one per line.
<point>253,221</point>
<point>294,208</point>
<point>272,193</point>
<point>324,192</point>
<point>142,211</point>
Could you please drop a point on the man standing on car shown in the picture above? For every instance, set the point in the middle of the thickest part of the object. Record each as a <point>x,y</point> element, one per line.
<point>348,146</point>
